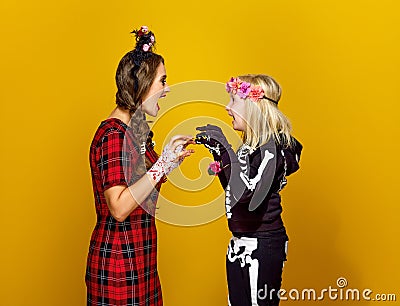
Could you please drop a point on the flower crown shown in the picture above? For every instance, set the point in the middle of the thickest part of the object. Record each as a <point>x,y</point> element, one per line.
<point>246,90</point>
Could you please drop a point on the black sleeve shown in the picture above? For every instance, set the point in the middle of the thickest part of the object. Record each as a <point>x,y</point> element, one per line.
<point>228,160</point>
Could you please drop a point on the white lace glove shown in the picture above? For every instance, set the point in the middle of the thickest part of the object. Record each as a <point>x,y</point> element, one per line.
<point>167,162</point>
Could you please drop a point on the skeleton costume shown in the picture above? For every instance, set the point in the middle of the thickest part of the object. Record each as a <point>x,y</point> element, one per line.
<point>257,250</point>
<point>252,180</point>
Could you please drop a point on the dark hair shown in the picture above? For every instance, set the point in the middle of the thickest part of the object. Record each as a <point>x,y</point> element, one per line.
<point>136,71</point>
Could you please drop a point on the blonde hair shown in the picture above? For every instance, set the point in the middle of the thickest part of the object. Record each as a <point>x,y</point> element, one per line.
<point>263,118</point>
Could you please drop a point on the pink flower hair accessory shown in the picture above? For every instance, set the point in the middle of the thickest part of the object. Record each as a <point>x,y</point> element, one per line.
<point>146,47</point>
<point>246,90</point>
<point>144,38</point>
<point>143,30</point>
<point>214,168</point>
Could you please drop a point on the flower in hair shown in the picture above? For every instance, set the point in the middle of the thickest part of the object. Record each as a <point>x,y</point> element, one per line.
<point>244,90</point>
<point>256,93</point>
<point>233,85</point>
<point>143,30</point>
<point>238,87</point>
<point>152,38</point>
<point>146,47</point>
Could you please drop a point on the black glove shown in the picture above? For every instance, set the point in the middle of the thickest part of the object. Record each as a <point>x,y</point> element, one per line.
<point>214,140</point>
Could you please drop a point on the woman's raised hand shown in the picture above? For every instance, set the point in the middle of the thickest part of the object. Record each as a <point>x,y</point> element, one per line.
<point>172,156</point>
<point>178,144</point>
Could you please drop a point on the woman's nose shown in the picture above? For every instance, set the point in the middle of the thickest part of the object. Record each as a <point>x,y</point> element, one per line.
<point>166,88</point>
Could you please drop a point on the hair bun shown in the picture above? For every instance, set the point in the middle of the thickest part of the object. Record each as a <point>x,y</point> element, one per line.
<point>143,50</point>
<point>145,40</point>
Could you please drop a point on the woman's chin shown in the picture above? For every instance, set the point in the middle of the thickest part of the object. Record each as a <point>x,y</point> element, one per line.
<point>152,113</point>
<point>155,111</point>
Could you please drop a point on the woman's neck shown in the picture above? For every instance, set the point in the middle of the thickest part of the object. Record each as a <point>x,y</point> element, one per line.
<point>121,114</point>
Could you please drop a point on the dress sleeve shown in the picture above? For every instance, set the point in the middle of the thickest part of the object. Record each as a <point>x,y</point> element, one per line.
<point>114,160</point>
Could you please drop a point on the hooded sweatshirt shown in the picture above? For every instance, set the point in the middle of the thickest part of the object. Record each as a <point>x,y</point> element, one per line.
<point>252,184</point>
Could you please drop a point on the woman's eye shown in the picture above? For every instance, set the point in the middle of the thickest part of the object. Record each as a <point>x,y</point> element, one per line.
<point>164,82</point>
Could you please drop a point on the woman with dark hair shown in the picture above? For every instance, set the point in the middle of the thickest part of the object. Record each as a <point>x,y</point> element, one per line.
<point>126,175</point>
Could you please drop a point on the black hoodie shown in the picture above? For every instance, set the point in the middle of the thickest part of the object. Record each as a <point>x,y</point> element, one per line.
<point>252,184</point>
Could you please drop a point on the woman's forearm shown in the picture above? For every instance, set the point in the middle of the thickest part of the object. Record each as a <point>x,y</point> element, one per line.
<point>123,200</point>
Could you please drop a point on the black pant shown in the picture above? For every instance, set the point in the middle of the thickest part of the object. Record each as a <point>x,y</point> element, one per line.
<point>254,264</point>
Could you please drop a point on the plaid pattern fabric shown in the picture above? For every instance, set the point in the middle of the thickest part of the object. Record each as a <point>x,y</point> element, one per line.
<point>122,260</point>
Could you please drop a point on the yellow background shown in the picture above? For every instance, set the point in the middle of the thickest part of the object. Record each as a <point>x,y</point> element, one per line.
<point>338,64</point>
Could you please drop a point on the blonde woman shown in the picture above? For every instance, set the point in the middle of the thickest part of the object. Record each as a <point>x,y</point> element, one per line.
<point>253,178</point>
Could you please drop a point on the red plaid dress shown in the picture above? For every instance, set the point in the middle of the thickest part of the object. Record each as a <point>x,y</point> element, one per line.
<point>122,260</point>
